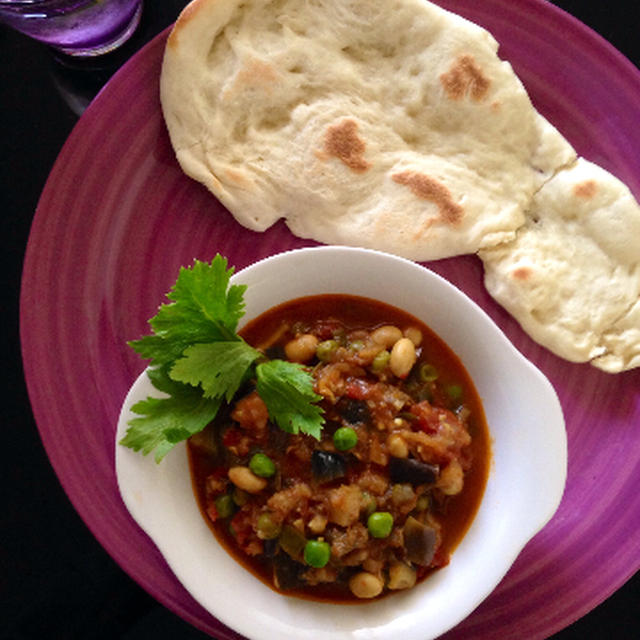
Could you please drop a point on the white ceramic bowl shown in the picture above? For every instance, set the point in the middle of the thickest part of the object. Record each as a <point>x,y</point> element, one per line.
<point>524,487</point>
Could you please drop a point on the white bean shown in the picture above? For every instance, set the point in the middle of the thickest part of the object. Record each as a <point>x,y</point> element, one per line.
<point>365,585</point>
<point>246,480</point>
<point>403,357</point>
<point>401,576</point>
<point>386,335</point>
<point>302,348</point>
<point>414,334</point>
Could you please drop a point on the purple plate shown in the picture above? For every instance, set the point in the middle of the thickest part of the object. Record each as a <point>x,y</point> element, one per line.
<point>117,218</point>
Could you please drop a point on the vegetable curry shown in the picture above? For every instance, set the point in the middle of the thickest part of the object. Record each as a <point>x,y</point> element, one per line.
<point>393,483</point>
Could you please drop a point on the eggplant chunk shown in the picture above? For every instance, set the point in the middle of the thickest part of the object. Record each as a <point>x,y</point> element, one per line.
<point>419,542</point>
<point>413,471</point>
<point>286,572</point>
<point>327,465</point>
<point>270,547</point>
<point>354,411</point>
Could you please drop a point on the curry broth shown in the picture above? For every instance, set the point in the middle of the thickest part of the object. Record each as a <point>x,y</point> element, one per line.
<point>277,325</point>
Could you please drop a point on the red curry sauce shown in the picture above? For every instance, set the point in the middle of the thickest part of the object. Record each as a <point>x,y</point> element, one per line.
<point>421,455</point>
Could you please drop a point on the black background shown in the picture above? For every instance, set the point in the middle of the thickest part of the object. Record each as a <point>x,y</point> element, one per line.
<point>56,581</point>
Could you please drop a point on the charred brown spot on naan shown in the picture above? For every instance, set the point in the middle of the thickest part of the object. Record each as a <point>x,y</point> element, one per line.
<point>522,273</point>
<point>586,190</point>
<point>377,65</point>
<point>581,244</point>
<point>237,177</point>
<point>428,188</point>
<point>254,75</point>
<point>342,142</point>
<point>464,78</point>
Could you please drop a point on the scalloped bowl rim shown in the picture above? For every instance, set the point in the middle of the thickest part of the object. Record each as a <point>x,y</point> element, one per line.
<point>524,489</point>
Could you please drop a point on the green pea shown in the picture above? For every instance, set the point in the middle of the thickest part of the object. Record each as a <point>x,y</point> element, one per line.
<point>262,465</point>
<point>380,524</point>
<point>325,349</point>
<point>224,505</point>
<point>356,345</point>
<point>454,391</point>
<point>428,373</point>
<point>345,438</point>
<point>380,361</point>
<point>317,553</point>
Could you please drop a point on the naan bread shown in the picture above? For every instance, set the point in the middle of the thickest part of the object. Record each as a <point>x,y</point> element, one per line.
<point>572,275</point>
<point>389,125</point>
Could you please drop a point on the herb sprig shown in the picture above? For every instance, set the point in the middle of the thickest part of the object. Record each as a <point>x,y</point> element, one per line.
<point>199,362</point>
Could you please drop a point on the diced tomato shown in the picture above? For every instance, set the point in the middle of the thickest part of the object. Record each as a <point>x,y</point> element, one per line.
<point>421,571</point>
<point>441,558</point>
<point>357,388</point>
<point>240,527</point>
<point>428,416</point>
<point>326,329</point>
<point>212,512</point>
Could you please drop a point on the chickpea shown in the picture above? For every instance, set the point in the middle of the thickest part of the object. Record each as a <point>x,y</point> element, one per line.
<point>397,446</point>
<point>386,335</point>
<point>401,576</point>
<point>245,479</point>
<point>414,334</point>
<point>302,348</point>
<point>403,357</point>
<point>365,585</point>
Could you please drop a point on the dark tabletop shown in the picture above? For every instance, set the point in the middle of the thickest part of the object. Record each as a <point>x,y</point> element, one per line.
<point>56,582</point>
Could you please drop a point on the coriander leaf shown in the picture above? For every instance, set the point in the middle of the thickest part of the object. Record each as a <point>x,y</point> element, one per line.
<point>220,367</point>
<point>204,308</point>
<point>161,380</point>
<point>199,361</point>
<point>205,288</point>
<point>166,421</point>
<point>287,390</point>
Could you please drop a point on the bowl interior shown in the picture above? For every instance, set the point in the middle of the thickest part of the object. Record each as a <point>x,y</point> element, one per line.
<point>524,487</point>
